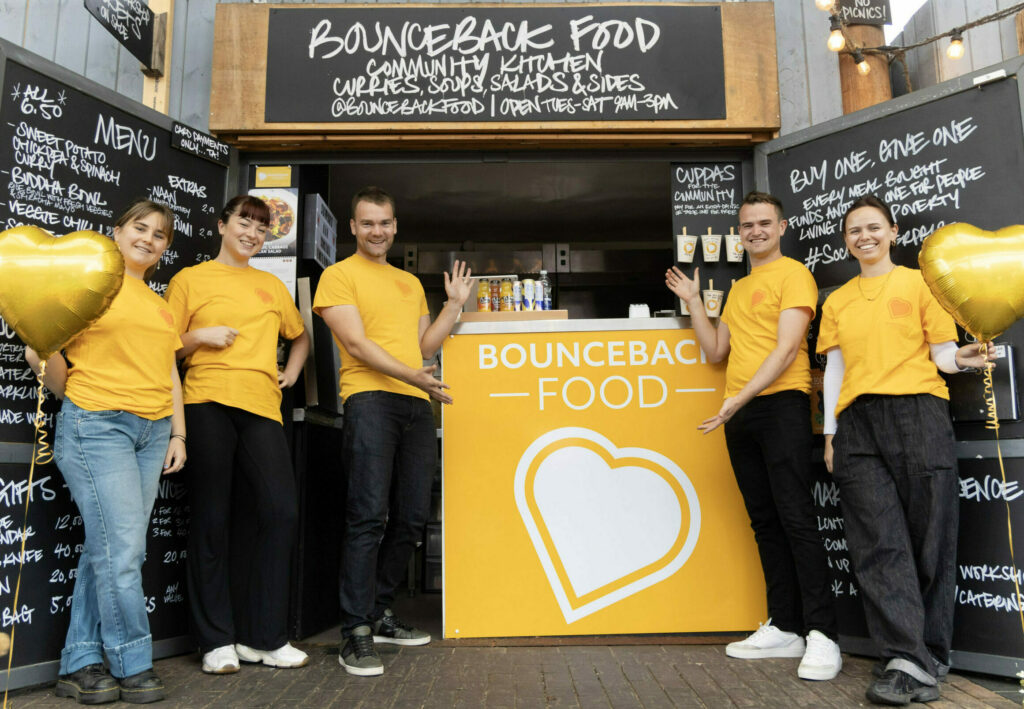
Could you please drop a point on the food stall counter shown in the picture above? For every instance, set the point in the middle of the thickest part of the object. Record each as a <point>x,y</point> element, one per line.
<point>579,496</point>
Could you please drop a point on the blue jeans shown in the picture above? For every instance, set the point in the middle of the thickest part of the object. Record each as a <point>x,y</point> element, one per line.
<point>389,452</point>
<point>111,462</point>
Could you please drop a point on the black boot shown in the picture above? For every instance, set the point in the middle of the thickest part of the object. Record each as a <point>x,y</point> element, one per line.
<point>143,688</point>
<point>91,684</point>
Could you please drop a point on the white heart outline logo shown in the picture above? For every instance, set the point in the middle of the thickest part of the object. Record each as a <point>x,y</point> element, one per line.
<point>527,462</point>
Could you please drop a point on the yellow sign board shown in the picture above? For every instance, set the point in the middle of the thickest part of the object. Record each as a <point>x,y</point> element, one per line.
<point>273,176</point>
<point>579,496</point>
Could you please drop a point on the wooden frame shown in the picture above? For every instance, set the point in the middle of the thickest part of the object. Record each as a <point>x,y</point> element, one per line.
<point>239,87</point>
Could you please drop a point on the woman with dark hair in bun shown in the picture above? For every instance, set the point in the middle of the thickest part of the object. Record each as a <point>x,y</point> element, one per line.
<point>230,316</point>
<point>891,451</point>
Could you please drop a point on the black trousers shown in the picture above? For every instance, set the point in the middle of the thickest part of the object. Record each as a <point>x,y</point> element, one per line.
<point>895,465</point>
<point>769,442</point>
<point>223,442</point>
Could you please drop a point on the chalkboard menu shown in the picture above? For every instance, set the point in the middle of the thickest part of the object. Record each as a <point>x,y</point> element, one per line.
<point>74,155</point>
<point>706,199</point>
<point>414,64</point>
<point>960,158</point>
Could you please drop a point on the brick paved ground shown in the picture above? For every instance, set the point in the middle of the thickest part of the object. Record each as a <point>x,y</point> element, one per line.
<point>444,677</point>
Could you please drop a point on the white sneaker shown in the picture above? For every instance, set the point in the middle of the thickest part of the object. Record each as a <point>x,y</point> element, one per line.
<point>284,656</point>
<point>220,661</point>
<point>767,641</point>
<point>821,660</point>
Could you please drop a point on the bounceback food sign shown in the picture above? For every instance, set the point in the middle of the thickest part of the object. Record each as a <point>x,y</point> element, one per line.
<point>579,496</point>
<point>570,63</point>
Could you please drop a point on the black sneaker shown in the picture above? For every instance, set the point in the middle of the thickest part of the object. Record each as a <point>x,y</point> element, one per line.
<point>91,684</point>
<point>142,688</point>
<point>897,688</point>
<point>389,629</point>
<point>358,655</point>
<point>942,670</point>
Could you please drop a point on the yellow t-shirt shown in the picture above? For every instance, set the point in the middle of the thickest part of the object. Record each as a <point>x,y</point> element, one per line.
<point>752,314</point>
<point>123,361</point>
<point>885,341</point>
<point>257,304</point>
<point>390,302</point>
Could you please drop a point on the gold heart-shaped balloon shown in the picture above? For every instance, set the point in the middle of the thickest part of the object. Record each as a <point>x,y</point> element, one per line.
<point>51,288</point>
<point>977,276</point>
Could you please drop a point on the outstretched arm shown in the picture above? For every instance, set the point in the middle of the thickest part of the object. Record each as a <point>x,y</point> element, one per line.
<point>791,331</point>
<point>347,325</point>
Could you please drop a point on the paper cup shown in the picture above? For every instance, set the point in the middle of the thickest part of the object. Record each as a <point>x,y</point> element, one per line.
<point>686,245</point>
<point>713,303</point>
<point>712,244</point>
<point>733,247</point>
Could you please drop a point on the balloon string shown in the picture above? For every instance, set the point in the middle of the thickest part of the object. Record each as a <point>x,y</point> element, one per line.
<point>993,425</point>
<point>41,454</point>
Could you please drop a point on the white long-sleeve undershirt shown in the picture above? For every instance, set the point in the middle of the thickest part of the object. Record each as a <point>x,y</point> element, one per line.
<point>942,354</point>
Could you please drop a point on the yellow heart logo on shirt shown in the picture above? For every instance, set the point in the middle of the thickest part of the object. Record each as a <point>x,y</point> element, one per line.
<point>606,522</point>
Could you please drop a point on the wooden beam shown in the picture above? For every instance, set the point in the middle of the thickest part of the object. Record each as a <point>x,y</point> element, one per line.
<point>860,90</point>
<point>156,89</point>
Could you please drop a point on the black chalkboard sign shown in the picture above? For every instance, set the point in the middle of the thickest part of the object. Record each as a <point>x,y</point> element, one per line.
<point>130,21</point>
<point>414,64</point>
<point>958,159</point>
<point>76,153</point>
<point>955,153</point>
<point>706,199</point>
<point>864,12</point>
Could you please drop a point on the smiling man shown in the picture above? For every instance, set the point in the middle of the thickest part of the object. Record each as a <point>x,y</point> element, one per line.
<point>379,317</point>
<point>766,414</point>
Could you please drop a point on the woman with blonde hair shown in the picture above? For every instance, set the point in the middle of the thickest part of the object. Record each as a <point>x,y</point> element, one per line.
<point>120,427</point>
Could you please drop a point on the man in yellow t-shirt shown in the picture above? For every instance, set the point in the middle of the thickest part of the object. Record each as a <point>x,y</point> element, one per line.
<point>766,416</point>
<point>382,327</point>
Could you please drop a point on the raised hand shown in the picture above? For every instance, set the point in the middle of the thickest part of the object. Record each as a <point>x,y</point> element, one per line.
<point>685,288</point>
<point>459,286</point>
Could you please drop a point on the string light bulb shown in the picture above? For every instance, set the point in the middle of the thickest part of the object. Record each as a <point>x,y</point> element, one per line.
<point>825,5</point>
<point>836,40</point>
<point>862,64</point>
<point>955,50</point>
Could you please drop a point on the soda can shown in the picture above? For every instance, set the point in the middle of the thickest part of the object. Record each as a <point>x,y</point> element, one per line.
<point>529,294</point>
<point>517,295</point>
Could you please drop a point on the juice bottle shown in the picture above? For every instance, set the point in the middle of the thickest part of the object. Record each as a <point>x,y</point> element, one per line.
<point>495,295</point>
<point>506,295</point>
<point>483,295</point>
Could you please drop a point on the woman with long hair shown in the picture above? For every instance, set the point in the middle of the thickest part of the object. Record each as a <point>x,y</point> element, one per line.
<point>120,427</point>
<point>891,452</point>
<point>230,316</point>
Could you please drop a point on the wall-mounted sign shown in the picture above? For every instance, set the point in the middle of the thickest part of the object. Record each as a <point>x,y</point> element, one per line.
<point>865,12</point>
<point>132,23</point>
<point>200,144</point>
<point>572,63</point>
